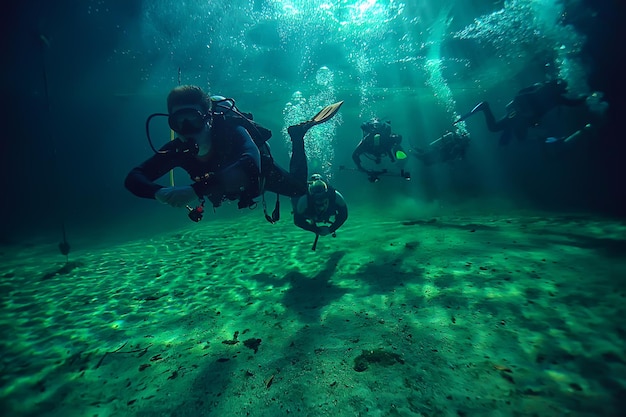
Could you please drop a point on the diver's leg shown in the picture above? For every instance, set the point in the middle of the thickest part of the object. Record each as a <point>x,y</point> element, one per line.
<point>298,168</point>
<point>401,163</point>
<point>521,132</point>
<point>506,137</point>
<point>294,182</point>
<point>472,112</point>
<point>492,124</point>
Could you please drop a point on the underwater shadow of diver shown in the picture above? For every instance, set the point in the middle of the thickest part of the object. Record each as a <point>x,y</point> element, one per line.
<point>610,247</point>
<point>64,270</point>
<point>384,277</point>
<point>434,223</point>
<point>307,295</point>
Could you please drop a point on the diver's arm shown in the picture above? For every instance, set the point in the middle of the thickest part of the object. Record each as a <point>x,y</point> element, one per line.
<point>342,212</point>
<point>356,155</point>
<point>241,174</point>
<point>249,155</point>
<point>300,220</point>
<point>140,180</point>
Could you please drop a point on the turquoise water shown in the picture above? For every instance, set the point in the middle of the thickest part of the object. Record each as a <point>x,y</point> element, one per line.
<point>418,64</point>
<point>508,234</point>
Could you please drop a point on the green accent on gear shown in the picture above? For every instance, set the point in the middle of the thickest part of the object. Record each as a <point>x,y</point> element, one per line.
<point>400,155</point>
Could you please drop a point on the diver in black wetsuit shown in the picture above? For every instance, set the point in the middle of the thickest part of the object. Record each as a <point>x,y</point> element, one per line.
<point>322,210</point>
<point>378,142</point>
<point>226,157</point>
<point>526,109</point>
<point>448,147</point>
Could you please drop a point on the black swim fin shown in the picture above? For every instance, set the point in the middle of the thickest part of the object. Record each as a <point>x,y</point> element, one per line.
<point>479,107</point>
<point>322,116</point>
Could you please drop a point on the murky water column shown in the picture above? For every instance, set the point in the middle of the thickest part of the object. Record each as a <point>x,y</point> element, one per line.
<point>526,29</point>
<point>367,82</point>
<point>433,67</point>
<point>367,25</point>
<point>320,140</point>
<point>565,41</point>
<point>188,36</point>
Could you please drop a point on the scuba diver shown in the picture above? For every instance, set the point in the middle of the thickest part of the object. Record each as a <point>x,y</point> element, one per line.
<point>224,152</point>
<point>321,204</point>
<point>526,109</point>
<point>378,142</point>
<point>448,147</point>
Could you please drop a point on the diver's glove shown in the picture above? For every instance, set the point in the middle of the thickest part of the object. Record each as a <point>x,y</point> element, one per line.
<point>176,196</point>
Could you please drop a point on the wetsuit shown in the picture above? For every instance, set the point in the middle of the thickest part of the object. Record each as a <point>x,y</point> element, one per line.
<point>527,109</point>
<point>233,169</point>
<point>386,144</point>
<point>306,217</point>
<point>448,147</point>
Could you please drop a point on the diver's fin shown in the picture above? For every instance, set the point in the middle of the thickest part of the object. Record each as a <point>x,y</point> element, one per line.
<point>326,113</point>
<point>479,107</point>
<point>299,130</point>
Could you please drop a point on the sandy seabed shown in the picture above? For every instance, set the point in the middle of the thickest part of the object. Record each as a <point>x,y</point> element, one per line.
<point>475,315</point>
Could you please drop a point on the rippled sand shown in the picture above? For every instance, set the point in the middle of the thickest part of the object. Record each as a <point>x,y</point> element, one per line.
<point>517,315</point>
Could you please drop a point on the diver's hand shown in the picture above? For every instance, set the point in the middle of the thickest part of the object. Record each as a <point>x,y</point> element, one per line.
<point>176,196</point>
<point>323,230</point>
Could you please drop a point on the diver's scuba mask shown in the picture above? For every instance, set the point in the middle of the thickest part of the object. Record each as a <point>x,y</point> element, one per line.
<point>318,190</point>
<point>189,121</point>
<point>186,121</point>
